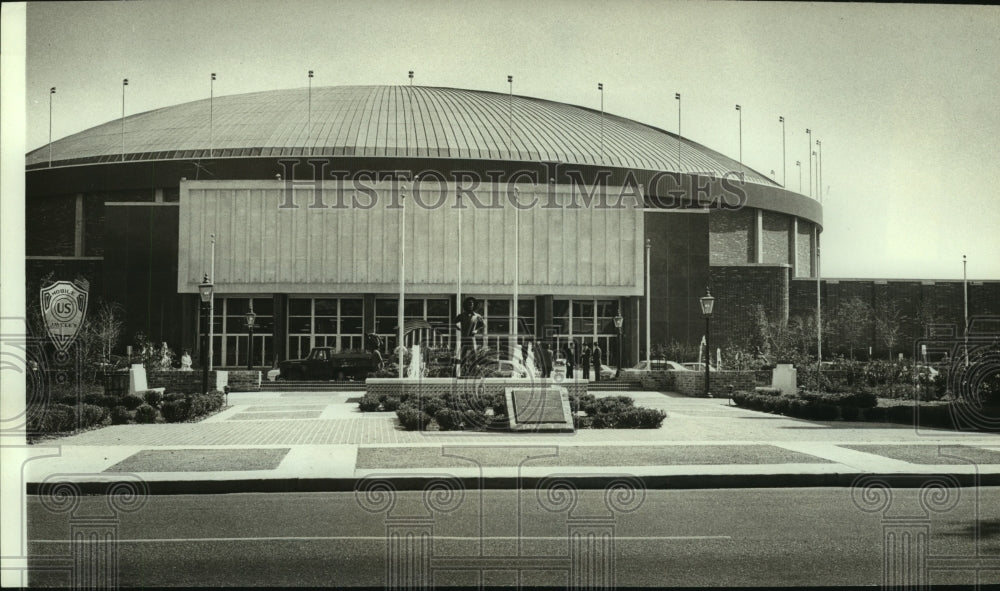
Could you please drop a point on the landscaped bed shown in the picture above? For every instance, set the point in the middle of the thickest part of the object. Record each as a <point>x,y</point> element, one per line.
<point>64,413</point>
<point>866,406</point>
<point>472,412</point>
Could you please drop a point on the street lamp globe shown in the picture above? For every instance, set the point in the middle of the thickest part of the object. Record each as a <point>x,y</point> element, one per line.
<point>205,290</point>
<point>619,320</point>
<point>707,303</point>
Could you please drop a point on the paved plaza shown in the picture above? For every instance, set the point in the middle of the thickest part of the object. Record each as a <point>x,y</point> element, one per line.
<point>311,436</point>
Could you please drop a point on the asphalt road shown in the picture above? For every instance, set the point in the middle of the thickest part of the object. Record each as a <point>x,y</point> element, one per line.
<point>735,537</point>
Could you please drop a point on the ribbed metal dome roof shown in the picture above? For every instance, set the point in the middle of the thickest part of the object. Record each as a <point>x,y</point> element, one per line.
<point>388,121</point>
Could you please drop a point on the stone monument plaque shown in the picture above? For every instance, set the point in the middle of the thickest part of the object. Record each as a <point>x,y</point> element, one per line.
<point>539,409</point>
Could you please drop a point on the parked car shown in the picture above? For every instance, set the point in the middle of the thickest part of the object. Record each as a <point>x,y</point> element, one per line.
<point>664,365</point>
<point>324,363</point>
<point>696,366</point>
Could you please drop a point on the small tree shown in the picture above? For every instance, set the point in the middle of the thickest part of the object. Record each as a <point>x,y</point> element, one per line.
<point>107,326</point>
<point>848,323</point>
<point>889,324</point>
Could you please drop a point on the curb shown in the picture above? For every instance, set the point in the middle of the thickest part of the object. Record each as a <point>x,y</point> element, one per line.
<point>588,481</point>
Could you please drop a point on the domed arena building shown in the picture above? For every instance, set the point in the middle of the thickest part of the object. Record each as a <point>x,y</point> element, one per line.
<point>574,212</point>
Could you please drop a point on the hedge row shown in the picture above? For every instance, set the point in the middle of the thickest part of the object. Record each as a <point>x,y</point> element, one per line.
<point>613,412</point>
<point>178,407</point>
<point>825,408</point>
<point>58,418</point>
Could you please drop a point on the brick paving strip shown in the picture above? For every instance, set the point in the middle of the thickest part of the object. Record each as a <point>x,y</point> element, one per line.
<point>671,455</point>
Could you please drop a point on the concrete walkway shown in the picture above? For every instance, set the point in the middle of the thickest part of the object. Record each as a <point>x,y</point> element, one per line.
<point>321,441</point>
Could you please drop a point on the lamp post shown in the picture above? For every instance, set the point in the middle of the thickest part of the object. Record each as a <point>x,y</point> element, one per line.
<point>707,304</point>
<point>618,326</point>
<point>205,291</point>
<point>251,319</point>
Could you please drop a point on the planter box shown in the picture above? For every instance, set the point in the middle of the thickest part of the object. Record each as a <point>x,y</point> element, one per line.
<point>483,386</point>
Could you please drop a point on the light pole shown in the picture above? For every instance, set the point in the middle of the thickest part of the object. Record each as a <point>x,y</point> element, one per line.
<point>618,326</point>
<point>965,309</point>
<point>205,291</point>
<point>740,111</point>
<point>784,165</point>
<point>51,92</point>
<point>707,305</point>
<point>251,320</point>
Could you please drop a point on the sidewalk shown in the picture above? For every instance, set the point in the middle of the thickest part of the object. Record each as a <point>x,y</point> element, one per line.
<point>320,441</point>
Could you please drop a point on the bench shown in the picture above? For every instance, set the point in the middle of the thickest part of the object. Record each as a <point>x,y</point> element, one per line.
<point>137,381</point>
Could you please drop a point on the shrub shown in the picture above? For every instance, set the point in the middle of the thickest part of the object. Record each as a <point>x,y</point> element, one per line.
<point>412,419</point>
<point>176,410</point>
<point>173,396</point>
<point>153,397</point>
<point>431,404</point>
<point>131,401</point>
<point>448,419</point>
<point>583,422</point>
<point>873,414</point>
<point>473,420</point>
<point>90,414</point>
<point>145,414</point>
<point>651,418</point>
<point>767,390</point>
<point>850,413</point>
<point>611,404</point>
<point>390,404</point>
<point>50,418</point>
<point>369,404</point>
<point>899,414</point>
<point>585,403</point>
<point>120,415</point>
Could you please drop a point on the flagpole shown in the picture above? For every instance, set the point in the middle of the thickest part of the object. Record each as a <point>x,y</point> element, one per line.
<point>819,168</point>
<point>51,92</point>
<point>411,77</point>
<point>510,115</point>
<point>310,105</point>
<point>809,149</point>
<point>402,289</point>
<point>965,308</point>
<point>677,96</point>
<point>124,84</point>
<point>740,111</point>
<point>798,164</point>
<point>211,314</point>
<point>458,290</point>
<point>819,320</point>
<point>211,115</point>
<point>784,164</point>
<point>648,336</point>
<point>600,86</point>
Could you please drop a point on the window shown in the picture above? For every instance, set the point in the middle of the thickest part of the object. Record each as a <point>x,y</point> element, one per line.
<point>324,322</point>
<point>232,336</point>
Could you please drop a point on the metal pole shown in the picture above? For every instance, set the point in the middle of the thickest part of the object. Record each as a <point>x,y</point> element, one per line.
<point>819,311</point>
<point>211,120</point>
<point>204,350</point>
<point>250,342</point>
<point>618,369</point>
<point>809,149</point>
<point>784,163</point>
<point>677,96</point>
<point>510,114</point>
<point>740,111</point>
<point>402,290</point>
<point>124,84</point>
<point>600,86</point>
<point>211,313</point>
<point>458,291</point>
<point>798,164</point>
<point>648,336</point>
<point>965,308</point>
<point>515,317</point>
<point>51,92</point>
<point>708,354</point>
<point>310,101</point>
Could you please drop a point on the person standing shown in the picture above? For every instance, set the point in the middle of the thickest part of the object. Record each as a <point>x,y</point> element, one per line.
<point>597,358</point>
<point>570,359</point>
<point>547,360</point>
<point>585,361</point>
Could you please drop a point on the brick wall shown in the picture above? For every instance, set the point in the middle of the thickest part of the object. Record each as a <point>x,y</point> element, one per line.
<point>658,381</point>
<point>185,381</point>
<point>439,386</point>
<point>920,303</point>
<point>731,236</point>
<point>244,381</point>
<point>804,245</point>
<point>776,228</point>
<point>692,383</point>
<point>739,291</point>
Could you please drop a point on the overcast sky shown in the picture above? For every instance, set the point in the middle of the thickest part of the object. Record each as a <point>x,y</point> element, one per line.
<point>903,98</point>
